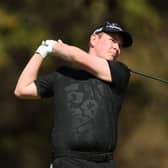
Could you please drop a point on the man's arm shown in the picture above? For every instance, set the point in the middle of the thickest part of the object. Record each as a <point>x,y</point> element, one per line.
<point>79,58</point>
<point>26,87</point>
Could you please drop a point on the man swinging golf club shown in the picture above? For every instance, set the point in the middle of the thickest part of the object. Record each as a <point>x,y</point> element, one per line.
<point>88,92</point>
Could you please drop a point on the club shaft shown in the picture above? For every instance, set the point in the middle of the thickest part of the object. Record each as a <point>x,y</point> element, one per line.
<point>149,76</point>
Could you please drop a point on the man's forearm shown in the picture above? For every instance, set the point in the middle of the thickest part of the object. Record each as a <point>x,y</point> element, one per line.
<point>79,58</point>
<point>71,54</point>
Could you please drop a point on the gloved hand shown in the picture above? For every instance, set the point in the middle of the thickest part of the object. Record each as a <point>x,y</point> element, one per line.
<point>46,47</point>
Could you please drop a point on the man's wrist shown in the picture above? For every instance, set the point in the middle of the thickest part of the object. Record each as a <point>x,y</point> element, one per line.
<point>41,50</point>
<point>46,48</point>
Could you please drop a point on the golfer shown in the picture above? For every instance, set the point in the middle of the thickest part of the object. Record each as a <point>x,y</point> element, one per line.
<point>88,91</point>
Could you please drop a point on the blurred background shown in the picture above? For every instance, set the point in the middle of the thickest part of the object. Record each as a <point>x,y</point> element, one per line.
<point>25,125</point>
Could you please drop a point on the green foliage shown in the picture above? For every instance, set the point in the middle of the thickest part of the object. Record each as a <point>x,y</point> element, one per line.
<point>16,34</point>
<point>97,10</point>
<point>140,15</point>
<point>24,23</point>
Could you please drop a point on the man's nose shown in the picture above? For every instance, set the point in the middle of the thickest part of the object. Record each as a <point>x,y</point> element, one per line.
<point>117,47</point>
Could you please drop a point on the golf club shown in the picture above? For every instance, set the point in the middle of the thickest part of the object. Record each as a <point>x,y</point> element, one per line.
<point>149,76</point>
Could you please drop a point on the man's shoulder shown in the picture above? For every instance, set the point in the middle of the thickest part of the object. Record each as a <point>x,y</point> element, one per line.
<point>118,66</point>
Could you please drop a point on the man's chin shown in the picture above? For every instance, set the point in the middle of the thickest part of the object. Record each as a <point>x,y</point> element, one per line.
<point>112,58</point>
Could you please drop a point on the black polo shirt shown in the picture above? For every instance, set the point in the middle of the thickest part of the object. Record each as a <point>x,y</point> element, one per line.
<point>85,108</point>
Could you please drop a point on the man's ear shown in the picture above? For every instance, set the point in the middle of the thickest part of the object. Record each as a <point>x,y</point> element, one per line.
<point>93,40</point>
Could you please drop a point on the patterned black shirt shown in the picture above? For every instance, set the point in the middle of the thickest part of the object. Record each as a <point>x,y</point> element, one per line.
<point>86,108</point>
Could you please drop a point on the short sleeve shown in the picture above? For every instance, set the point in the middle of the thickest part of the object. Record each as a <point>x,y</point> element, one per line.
<point>120,74</point>
<point>45,85</point>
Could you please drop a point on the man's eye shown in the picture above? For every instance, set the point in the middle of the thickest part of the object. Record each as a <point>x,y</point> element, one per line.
<point>114,40</point>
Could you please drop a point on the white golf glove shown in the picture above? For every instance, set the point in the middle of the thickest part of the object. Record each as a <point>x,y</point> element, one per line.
<point>46,47</point>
